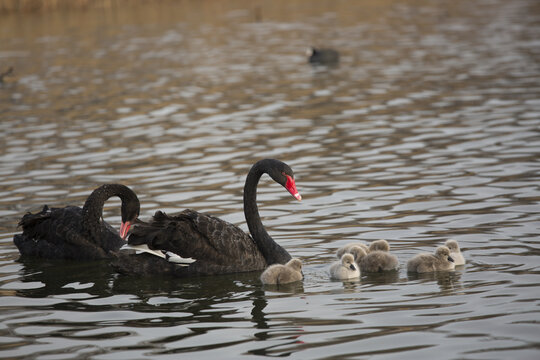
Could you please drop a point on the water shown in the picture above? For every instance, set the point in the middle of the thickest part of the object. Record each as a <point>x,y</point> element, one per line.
<point>428,130</point>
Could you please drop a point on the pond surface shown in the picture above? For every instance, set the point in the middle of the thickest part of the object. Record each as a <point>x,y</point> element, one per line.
<point>428,129</point>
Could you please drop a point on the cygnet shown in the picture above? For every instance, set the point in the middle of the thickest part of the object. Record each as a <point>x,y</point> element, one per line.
<point>440,261</point>
<point>347,249</point>
<point>379,245</point>
<point>455,252</point>
<point>283,274</point>
<point>345,268</point>
<point>377,261</point>
<point>358,252</point>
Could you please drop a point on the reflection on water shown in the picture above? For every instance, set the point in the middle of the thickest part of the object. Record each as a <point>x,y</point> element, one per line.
<point>427,130</point>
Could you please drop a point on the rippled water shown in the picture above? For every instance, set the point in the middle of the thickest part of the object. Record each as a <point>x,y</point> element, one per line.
<point>428,130</point>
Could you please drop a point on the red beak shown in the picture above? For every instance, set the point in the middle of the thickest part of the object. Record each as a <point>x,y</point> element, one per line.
<point>291,187</point>
<point>124,228</point>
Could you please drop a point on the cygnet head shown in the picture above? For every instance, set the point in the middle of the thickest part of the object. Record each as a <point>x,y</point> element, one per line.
<point>443,252</point>
<point>295,264</point>
<point>455,252</point>
<point>452,245</point>
<point>347,260</point>
<point>379,245</point>
<point>357,252</point>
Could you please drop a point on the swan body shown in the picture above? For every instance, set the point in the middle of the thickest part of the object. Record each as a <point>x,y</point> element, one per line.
<point>375,258</point>
<point>318,56</point>
<point>217,246</point>
<point>455,252</point>
<point>378,258</point>
<point>283,274</point>
<point>344,269</point>
<point>440,261</point>
<point>75,233</point>
<point>377,261</point>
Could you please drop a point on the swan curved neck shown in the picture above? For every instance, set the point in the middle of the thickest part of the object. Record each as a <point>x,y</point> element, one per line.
<point>93,207</point>
<point>272,252</point>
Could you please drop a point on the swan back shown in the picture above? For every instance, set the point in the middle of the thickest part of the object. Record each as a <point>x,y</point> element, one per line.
<point>283,274</point>
<point>346,268</point>
<point>455,252</point>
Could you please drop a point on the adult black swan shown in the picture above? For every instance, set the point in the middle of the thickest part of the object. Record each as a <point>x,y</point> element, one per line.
<point>191,243</point>
<point>75,233</point>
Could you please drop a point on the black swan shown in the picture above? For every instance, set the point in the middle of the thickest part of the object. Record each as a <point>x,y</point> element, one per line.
<point>200,244</point>
<point>322,56</point>
<point>75,233</point>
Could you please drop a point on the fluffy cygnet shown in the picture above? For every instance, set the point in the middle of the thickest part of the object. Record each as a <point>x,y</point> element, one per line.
<point>346,268</point>
<point>379,245</point>
<point>347,249</point>
<point>377,261</point>
<point>440,261</point>
<point>455,252</point>
<point>283,274</point>
<point>358,252</point>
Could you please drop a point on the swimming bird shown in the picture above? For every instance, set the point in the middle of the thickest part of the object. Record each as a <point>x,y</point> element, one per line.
<point>346,268</point>
<point>378,258</point>
<point>379,245</point>
<point>347,248</point>
<point>440,261</point>
<point>283,274</point>
<point>358,252</point>
<point>455,252</point>
<point>216,246</point>
<point>318,56</point>
<point>9,71</point>
<point>74,233</point>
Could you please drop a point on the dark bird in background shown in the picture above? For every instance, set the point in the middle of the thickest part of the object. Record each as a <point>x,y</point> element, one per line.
<point>322,56</point>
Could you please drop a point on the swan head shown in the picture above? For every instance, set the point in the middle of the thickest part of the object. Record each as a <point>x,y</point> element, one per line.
<point>283,175</point>
<point>379,245</point>
<point>443,252</point>
<point>295,264</point>
<point>310,51</point>
<point>130,212</point>
<point>347,260</point>
<point>357,252</point>
<point>452,245</point>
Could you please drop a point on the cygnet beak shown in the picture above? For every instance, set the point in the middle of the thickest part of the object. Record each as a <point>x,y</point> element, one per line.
<point>450,259</point>
<point>352,267</point>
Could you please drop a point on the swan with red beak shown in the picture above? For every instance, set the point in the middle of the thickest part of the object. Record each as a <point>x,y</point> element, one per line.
<point>290,185</point>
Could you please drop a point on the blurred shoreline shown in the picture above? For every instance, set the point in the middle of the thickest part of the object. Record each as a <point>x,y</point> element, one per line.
<point>8,6</point>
